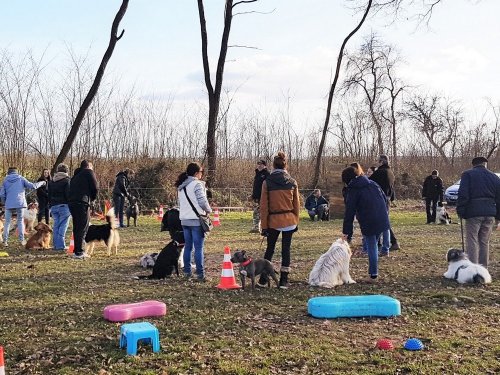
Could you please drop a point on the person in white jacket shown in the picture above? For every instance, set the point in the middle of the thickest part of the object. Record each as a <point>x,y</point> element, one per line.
<point>189,184</point>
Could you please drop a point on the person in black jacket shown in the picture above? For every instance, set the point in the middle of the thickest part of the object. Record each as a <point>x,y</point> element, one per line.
<point>261,173</point>
<point>432,193</point>
<point>120,192</point>
<point>43,197</point>
<point>58,195</point>
<point>384,177</point>
<point>82,192</point>
<point>317,205</point>
<point>479,204</point>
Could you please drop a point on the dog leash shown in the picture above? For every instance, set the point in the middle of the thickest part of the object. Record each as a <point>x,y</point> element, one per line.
<point>261,242</point>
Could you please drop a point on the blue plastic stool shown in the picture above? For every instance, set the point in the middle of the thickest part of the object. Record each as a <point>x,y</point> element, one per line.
<point>132,333</point>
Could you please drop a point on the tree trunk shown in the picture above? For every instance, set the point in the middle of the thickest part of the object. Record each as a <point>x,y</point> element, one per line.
<point>114,37</point>
<point>319,156</point>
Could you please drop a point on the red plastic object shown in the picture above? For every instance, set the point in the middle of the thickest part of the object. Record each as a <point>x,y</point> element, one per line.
<point>385,344</point>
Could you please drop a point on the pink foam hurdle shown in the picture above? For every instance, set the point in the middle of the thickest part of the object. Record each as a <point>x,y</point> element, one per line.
<point>128,311</point>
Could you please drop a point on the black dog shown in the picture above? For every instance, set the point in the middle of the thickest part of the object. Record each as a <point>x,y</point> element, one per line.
<point>171,222</point>
<point>132,210</point>
<point>166,262</point>
<point>251,268</point>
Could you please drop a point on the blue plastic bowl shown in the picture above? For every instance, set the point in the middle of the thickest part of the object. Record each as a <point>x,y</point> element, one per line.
<point>413,344</point>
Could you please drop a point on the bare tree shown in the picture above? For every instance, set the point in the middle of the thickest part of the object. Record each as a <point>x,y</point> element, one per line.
<point>114,38</point>
<point>214,92</point>
<point>321,147</point>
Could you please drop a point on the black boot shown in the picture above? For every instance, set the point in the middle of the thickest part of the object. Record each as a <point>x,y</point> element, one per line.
<point>284,280</point>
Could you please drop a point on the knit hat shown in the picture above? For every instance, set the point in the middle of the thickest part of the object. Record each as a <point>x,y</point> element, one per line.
<point>479,160</point>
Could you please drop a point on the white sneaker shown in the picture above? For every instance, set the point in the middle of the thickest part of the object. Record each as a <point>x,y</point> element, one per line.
<point>23,242</point>
<point>6,244</point>
<point>82,256</point>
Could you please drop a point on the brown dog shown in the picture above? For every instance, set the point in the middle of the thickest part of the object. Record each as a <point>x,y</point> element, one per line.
<point>41,239</point>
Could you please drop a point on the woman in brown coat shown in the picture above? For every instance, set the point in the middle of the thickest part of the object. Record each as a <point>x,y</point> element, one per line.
<point>279,211</point>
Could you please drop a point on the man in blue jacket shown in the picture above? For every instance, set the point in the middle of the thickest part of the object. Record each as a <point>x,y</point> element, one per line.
<point>479,204</point>
<point>12,194</point>
<point>317,205</point>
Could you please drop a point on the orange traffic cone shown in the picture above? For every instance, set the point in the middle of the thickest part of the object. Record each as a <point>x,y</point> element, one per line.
<point>71,248</point>
<point>216,220</point>
<point>2,364</point>
<point>107,206</point>
<point>160,213</point>
<point>227,280</point>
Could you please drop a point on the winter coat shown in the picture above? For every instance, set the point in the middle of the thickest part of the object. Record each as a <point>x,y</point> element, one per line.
<point>41,193</point>
<point>58,189</point>
<point>384,177</point>
<point>312,202</point>
<point>83,187</point>
<point>479,193</point>
<point>121,185</point>
<point>12,191</point>
<point>365,199</point>
<point>433,188</point>
<point>196,191</point>
<point>279,201</point>
<point>258,180</point>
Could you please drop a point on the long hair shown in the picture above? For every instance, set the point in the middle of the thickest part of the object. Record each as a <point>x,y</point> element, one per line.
<point>358,168</point>
<point>279,161</point>
<point>191,170</point>
<point>348,175</point>
<point>42,176</point>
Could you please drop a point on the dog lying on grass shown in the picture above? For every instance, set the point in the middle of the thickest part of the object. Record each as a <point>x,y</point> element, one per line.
<point>105,232</point>
<point>332,268</point>
<point>461,269</point>
<point>41,238</point>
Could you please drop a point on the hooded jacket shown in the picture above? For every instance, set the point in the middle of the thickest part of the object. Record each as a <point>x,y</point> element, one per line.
<point>433,188</point>
<point>121,184</point>
<point>83,187</point>
<point>367,201</point>
<point>59,189</point>
<point>13,189</point>
<point>260,177</point>
<point>312,202</point>
<point>279,201</point>
<point>384,177</point>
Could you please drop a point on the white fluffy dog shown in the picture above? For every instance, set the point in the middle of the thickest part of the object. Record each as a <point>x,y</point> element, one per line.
<point>442,216</point>
<point>460,268</point>
<point>332,268</point>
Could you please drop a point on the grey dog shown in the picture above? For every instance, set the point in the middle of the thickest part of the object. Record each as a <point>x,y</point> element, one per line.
<point>251,268</point>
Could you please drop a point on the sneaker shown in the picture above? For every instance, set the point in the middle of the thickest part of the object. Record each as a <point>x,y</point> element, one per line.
<point>81,256</point>
<point>6,244</point>
<point>394,247</point>
<point>201,279</point>
<point>23,242</point>
<point>187,276</point>
<point>383,254</point>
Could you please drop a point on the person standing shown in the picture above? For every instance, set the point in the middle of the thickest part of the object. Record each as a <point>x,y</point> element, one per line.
<point>82,192</point>
<point>58,197</point>
<point>479,204</point>
<point>432,193</point>
<point>120,193</point>
<point>192,196</point>
<point>261,173</point>
<point>365,200</point>
<point>13,195</point>
<point>317,205</point>
<point>384,177</point>
<point>279,208</point>
<point>43,197</point>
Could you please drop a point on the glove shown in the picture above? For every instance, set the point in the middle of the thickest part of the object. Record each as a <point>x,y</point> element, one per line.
<point>264,233</point>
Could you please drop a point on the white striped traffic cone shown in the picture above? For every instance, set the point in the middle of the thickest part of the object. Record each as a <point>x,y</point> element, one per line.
<point>71,248</point>
<point>160,213</point>
<point>2,364</point>
<point>227,279</point>
<point>216,220</point>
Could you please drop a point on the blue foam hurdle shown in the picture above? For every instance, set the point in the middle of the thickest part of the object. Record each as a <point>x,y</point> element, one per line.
<point>353,306</point>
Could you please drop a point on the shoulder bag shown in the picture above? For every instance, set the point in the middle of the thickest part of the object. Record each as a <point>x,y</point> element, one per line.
<point>205,221</point>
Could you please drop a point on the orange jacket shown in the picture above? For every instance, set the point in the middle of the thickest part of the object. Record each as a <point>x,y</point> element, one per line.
<point>279,201</point>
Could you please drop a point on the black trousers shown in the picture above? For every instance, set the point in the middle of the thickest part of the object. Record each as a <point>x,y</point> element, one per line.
<point>43,211</point>
<point>80,213</point>
<point>431,216</point>
<point>286,243</point>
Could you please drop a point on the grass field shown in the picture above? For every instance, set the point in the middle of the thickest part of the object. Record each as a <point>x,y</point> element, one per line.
<point>51,310</point>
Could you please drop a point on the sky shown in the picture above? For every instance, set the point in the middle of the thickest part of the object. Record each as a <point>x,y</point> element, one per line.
<point>297,43</point>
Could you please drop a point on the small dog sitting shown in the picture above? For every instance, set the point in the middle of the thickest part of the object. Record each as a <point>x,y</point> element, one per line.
<point>168,259</point>
<point>132,210</point>
<point>442,216</point>
<point>460,268</point>
<point>29,216</point>
<point>251,268</point>
<point>105,232</point>
<point>40,239</point>
<point>332,268</point>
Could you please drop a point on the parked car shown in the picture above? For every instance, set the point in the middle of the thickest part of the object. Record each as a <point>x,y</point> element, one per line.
<point>451,194</point>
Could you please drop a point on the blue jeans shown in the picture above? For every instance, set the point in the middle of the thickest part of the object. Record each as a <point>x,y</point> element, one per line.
<point>20,223</point>
<point>119,203</point>
<point>370,243</point>
<point>194,236</point>
<point>60,214</point>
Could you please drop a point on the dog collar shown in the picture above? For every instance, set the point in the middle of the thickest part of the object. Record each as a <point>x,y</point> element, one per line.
<point>246,262</point>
